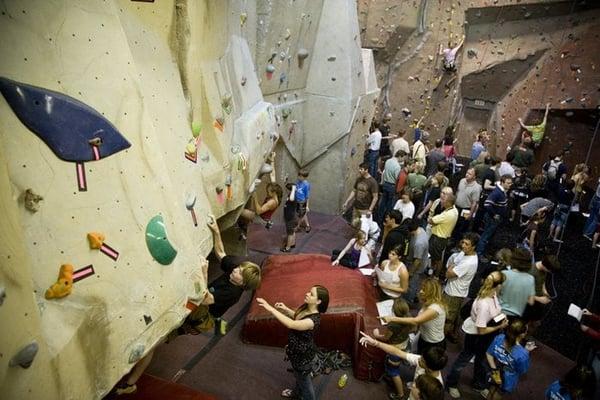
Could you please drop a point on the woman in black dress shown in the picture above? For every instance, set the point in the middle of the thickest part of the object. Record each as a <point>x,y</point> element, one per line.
<point>303,323</point>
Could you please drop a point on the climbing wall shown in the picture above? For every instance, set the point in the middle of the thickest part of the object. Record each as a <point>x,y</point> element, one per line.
<point>196,131</point>
<point>517,56</point>
<point>123,125</point>
<point>323,87</point>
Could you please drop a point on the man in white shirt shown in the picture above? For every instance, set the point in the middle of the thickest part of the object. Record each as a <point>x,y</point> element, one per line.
<point>400,143</point>
<point>373,146</point>
<point>405,205</point>
<point>461,269</point>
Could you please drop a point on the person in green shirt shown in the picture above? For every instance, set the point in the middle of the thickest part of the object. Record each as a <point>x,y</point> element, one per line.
<point>537,131</point>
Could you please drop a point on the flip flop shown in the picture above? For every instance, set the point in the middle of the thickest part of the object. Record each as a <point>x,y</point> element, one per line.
<point>287,393</point>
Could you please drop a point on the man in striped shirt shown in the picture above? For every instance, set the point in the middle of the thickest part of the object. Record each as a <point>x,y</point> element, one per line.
<point>496,210</point>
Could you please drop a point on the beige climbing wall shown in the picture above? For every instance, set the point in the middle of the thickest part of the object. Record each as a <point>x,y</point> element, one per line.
<point>152,71</point>
<point>155,70</point>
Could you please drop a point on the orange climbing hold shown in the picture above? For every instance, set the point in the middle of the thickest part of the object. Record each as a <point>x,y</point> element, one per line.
<point>63,285</point>
<point>96,240</point>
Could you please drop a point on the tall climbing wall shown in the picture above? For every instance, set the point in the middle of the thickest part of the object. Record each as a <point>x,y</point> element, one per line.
<point>517,57</point>
<point>123,124</point>
<point>322,85</point>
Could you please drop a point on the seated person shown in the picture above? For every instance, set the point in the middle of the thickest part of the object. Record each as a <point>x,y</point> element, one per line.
<point>222,294</point>
<point>355,254</point>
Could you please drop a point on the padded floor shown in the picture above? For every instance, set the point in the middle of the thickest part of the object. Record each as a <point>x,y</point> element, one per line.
<point>351,308</point>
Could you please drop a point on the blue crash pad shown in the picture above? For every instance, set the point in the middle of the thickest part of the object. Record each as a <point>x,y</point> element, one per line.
<point>65,124</point>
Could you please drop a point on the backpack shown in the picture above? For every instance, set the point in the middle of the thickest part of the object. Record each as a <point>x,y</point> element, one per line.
<point>552,171</point>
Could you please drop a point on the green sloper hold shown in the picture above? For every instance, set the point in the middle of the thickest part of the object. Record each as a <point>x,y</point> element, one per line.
<point>196,128</point>
<point>157,241</point>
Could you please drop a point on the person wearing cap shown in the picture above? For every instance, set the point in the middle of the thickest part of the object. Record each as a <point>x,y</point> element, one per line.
<point>519,286</point>
<point>420,148</point>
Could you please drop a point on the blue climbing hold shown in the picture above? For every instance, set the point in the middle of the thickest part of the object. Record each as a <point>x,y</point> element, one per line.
<point>69,127</point>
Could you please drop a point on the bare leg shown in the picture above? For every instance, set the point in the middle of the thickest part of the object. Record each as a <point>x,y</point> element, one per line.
<point>595,239</point>
<point>291,241</point>
<point>139,368</point>
<point>399,386</point>
<point>248,215</point>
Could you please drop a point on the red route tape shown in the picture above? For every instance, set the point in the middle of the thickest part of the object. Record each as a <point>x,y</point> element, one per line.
<point>83,273</point>
<point>109,251</point>
<point>81,181</point>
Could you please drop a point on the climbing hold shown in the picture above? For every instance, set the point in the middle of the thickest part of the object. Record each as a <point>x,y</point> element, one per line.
<point>282,78</point>
<point>266,169</point>
<point>226,103</point>
<point>147,319</point>
<point>190,148</point>
<point>63,285</point>
<point>243,18</point>
<point>353,152</point>
<point>302,55</point>
<point>24,358</point>
<point>65,124</point>
<point>471,53</point>
<point>2,295</point>
<point>287,34</point>
<point>32,201</point>
<point>136,353</point>
<point>286,112</point>
<point>243,82</point>
<point>196,128</point>
<point>158,243</point>
<point>406,112</point>
<point>219,123</point>
<point>331,58</point>
<point>95,239</point>
<point>269,71</point>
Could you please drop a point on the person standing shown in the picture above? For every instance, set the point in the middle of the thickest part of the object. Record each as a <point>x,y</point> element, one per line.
<point>478,145</point>
<point>441,230</point>
<point>418,258</point>
<point>467,202</point>
<point>519,286</point>
<point>396,235</point>
<point>302,198</point>
<point>391,171</point>
<point>399,143</point>
<point>434,157</point>
<point>405,205</point>
<point>373,146</point>
<point>594,210</point>
<point>461,268</point>
<point>290,217</point>
<point>303,323</point>
<point>392,276</point>
<point>420,148</point>
<point>479,330</point>
<point>365,194</point>
<point>496,210</point>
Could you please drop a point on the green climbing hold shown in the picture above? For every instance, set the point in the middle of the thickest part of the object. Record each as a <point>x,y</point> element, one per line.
<point>196,128</point>
<point>157,242</point>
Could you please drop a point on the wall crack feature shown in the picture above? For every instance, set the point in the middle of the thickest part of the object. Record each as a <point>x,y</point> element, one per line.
<point>179,42</point>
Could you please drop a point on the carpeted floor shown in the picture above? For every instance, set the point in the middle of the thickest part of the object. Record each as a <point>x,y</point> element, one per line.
<point>226,368</point>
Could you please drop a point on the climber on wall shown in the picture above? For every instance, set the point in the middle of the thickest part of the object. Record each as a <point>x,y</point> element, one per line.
<point>449,62</point>
<point>536,132</point>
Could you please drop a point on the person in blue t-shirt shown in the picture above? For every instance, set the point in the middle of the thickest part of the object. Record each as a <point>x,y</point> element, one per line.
<point>507,359</point>
<point>302,196</point>
<point>577,384</point>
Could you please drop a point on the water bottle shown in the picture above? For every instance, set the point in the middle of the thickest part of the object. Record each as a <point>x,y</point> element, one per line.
<point>342,381</point>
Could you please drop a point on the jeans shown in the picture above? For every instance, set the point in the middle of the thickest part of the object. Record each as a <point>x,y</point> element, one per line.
<point>490,225</point>
<point>387,200</point>
<point>473,346</point>
<point>372,156</point>
<point>590,225</point>
<point>304,389</point>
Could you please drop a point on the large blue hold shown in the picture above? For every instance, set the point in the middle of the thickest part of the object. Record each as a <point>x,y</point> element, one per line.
<point>65,124</point>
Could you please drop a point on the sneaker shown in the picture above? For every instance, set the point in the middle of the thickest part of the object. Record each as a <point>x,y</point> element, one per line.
<point>454,393</point>
<point>220,327</point>
<point>124,388</point>
<point>557,240</point>
<point>588,237</point>
<point>484,393</point>
<point>395,396</point>
<point>268,224</point>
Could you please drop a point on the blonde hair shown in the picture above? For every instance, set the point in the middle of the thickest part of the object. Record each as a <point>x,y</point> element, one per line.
<point>432,292</point>
<point>251,275</point>
<point>490,283</point>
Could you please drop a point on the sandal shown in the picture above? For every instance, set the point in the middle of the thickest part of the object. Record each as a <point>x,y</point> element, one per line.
<point>287,393</point>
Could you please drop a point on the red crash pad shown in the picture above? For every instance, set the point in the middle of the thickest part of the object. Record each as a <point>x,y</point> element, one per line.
<point>351,309</point>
